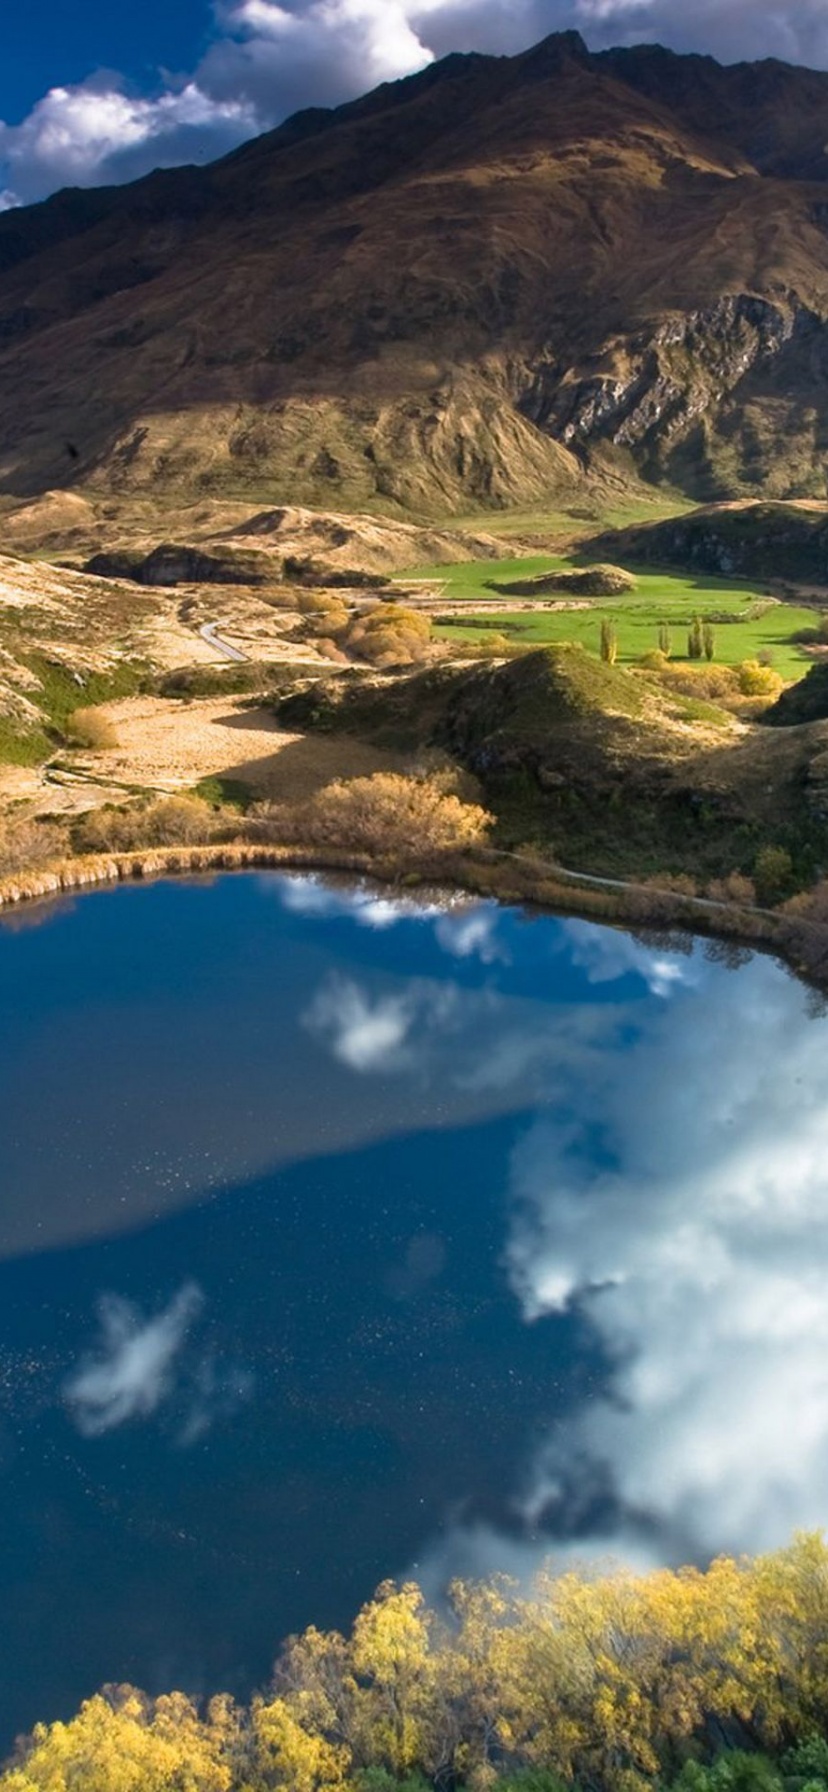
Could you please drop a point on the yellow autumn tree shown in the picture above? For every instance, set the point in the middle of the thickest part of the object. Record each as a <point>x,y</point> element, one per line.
<point>290,1753</point>
<point>122,1743</point>
<point>390,1653</point>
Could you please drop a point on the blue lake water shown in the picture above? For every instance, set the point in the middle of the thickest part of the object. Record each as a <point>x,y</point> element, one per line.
<point>343,1238</point>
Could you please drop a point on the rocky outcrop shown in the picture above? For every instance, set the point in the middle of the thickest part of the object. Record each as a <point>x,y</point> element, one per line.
<point>169,564</point>
<point>681,393</point>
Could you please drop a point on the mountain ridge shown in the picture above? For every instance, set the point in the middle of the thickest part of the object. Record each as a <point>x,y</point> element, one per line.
<point>486,285</point>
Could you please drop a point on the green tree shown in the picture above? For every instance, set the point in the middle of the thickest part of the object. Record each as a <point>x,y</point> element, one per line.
<point>664,640</point>
<point>695,640</point>
<point>772,874</point>
<point>708,641</point>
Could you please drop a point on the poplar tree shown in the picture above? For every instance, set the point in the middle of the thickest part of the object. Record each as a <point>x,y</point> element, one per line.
<point>609,643</point>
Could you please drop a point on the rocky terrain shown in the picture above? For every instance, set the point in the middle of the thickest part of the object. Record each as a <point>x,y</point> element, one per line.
<point>498,282</point>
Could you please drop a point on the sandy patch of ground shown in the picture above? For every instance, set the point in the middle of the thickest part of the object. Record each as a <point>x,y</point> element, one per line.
<point>167,746</point>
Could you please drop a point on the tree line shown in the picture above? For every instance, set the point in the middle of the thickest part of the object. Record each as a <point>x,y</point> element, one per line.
<point>711,1681</point>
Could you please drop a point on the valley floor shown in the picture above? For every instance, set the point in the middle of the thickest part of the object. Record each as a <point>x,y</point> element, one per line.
<point>166,746</point>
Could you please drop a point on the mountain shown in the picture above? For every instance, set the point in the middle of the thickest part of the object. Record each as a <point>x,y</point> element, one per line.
<point>487,285</point>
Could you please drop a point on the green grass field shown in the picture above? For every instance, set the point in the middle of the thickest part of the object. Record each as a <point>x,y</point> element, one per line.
<point>669,598</point>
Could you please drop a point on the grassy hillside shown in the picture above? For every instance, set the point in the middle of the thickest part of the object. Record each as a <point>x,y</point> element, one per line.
<point>596,765</point>
<point>782,542</point>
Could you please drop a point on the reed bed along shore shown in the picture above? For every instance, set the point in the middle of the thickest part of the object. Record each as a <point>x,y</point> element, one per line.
<point>475,871</point>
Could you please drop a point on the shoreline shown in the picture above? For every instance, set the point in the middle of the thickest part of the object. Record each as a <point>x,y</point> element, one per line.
<point>512,879</point>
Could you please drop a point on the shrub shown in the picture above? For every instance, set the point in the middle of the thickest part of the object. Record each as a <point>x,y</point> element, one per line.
<point>672,883</point>
<point>326,614</point>
<point>26,843</point>
<point>91,729</point>
<point>171,821</point>
<point>384,813</point>
<point>811,905</point>
<point>389,635</point>
<point>735,888</point>
<point>772,874</point>
<point>758,681</point>
<point>106,830</point>
<point>711,682</point>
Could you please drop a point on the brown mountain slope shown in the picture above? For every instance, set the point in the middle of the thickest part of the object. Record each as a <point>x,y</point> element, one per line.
<point>460,291</point>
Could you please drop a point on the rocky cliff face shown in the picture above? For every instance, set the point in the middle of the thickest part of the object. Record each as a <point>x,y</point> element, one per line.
<point>476,288</point>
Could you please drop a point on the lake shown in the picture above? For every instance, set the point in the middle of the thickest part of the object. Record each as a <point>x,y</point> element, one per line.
<point>344,1238</point>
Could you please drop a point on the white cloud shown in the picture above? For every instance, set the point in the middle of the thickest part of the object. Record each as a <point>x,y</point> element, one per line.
<point>97,133</point>
<point>695,1242</point>
<point>269,60</point>
<point>316,899</point>
<point>463,929</point>
<point>133,1370</point>
<point>477,1552</point>
<point>364,1033</point>
<point>733,30</point>
<point>472,933</point>
<point>606,956</point>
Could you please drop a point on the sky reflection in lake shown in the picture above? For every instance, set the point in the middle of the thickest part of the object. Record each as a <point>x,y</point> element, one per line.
<point>341,1236</point>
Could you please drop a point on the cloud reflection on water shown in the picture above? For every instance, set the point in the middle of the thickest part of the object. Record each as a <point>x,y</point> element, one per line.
<point>671,1189</point>
<point>682,1207</point>
<point>133,1370</point>
<point>142,1368</point>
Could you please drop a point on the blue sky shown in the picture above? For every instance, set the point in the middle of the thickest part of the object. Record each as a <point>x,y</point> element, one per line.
<point>47,43</point>
<point>93,93</point>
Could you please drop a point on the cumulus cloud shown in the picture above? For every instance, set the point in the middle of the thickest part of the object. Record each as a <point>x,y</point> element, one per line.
<point>269,59</point>
<point>133,1370</point>
<point>97,133</point>
<point>680,1206</point>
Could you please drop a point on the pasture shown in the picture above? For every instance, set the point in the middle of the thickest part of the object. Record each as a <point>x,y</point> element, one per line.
<point>747,623</point>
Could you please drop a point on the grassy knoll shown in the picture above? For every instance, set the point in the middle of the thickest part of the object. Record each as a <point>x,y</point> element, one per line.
<point>594,766</point>
<point>746,622</point>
